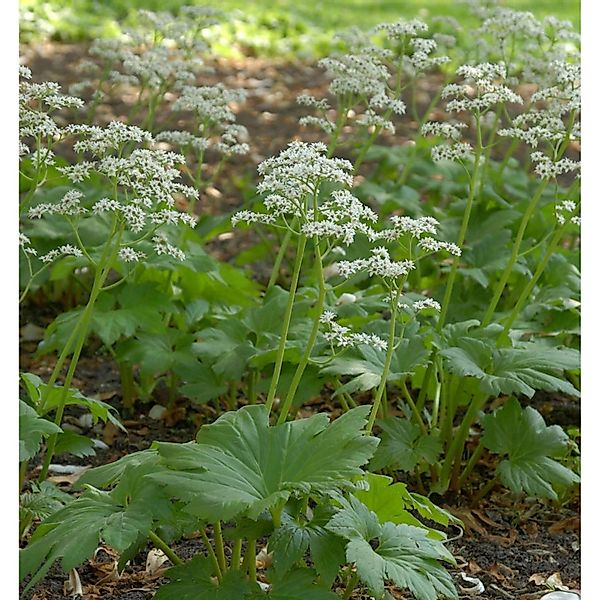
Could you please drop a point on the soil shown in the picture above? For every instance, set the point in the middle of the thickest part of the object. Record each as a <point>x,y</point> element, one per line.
<point>517,549</point>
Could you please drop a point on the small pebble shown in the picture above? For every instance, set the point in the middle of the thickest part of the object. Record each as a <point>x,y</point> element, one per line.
<point>561,596</point>
<point>157,412</point>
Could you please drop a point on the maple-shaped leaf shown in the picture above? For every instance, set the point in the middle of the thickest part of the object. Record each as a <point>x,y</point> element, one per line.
<point>403,554</point>
<point>529,447</point>
<point>194,581</point>
<point>520,370</point>
<point>241,466</point>
<point>32,429</point>
<point>393,502</point>
<point>403,446</point>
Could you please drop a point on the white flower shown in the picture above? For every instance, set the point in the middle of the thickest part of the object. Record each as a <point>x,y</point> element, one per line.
<point>432,245</point>
<point>66,250</point>
<point>379,263</point>
<point>162,246</point>
<point>341,336</point>
<point>419,305</point>
<point>128,254</point>
<point>25,244</point>
<point>78,172</point>
<point>447,129</point>
<point>209,103</point>
<point>453,152</point>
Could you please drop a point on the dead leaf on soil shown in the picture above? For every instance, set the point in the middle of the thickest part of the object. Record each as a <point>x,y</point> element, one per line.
<point>109,434</point>
<point>155,560</point>
<point>474,568</point>
<point>570,524</point>
<point>68,479</point>
<point>469,520</point>
<point>508,540</point>
<point>501,572</point>
<point>73,585</point>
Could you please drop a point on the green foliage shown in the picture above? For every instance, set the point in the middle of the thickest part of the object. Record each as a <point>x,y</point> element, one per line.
<point>32,429</point>
<point>529,448</point>
<point>393,502</point>
<point>521,370</point>
<point>401,553</point>
<point>240,465</point>
<point>404,446</point>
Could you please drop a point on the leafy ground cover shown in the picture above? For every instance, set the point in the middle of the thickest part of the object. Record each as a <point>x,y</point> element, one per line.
<point>378,362</point>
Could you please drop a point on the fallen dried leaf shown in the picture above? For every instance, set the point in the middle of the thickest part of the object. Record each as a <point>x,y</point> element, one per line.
<point>570,524</point>
<point>474,568</point>
<point>73,584</point>
<point>154,561</point>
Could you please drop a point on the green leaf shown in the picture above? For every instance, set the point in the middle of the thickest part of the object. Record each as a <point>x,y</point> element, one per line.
<point>367,370</point>
<point>193,581</point>
<point>508,371</point>
<point>32,429</point>
<point>69,442</point>
<point>403,446</point>
<point>529,446</point>
<point>401,553</point>
<point>241,466</point>
<point>121,518</point>
<point>392,502</point>
<point>290,542</point>
<point>299,585</point>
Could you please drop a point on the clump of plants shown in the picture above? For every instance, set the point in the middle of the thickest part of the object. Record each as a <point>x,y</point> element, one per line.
<point>428,300</point>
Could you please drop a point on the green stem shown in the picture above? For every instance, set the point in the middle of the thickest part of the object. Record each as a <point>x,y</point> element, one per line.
<point>286,324</point>
<point>470,465</point>
<point>236,554</point>
<point>287,404</point>
<point>461,238</point>
<point>386,368</point>
<point>528,289</point>
<point>413,407</point>
<point>250,559</point>
<point>279,258</point>
<point>80,334</point>
<point>212,555</point>
<point>162,545</point>
<point>350,587</point>
<point>514,254</point>
<point>220,546</point>
<point>455,451</point>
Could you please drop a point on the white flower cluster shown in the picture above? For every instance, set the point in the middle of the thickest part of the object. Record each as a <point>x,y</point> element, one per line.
<point>546,168</point>
<point>420,305</point>
<point>361,75</point>
<point>25,244</point>
<point>65,250</point>
<point>479,92</point>
<point>378,264</point>
<point>162,246</point>
<point>36,103</point>
<point>343,337</point>
<point>449,129</point>
<point>78,172</point>
<point>452,152</point>
<point>183,139</point>
<point>420,60</point>
<point>431,245</point>
<point>292,178</point>
<point>341,216</point>
<point>566,206</point>
<point>69,205</point>
<point>128,254</point>
<point>100,140</point>
<point>407,225</point>
<point>402,28</point>
<point>209,103</point>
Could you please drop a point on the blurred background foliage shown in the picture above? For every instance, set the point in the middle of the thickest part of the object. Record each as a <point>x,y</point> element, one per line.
<point>257,27</point>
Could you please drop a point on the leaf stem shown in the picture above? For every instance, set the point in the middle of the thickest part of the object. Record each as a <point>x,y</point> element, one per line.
<point>162,545</point>
<point>286,324</point>
<point>212,555</point>
<point>285,409</point>
<point>220,547</point>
